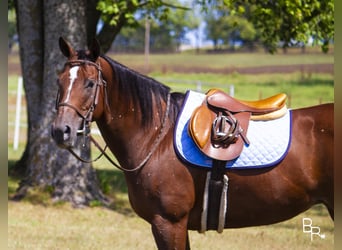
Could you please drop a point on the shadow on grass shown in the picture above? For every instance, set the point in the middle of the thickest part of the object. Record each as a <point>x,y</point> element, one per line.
<point>113,185</point>
<point>111,182</point>
<point>13,181</point>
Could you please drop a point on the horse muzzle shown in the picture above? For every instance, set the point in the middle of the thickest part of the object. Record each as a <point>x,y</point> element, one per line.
<point>64,132</point>
<point>62,135</point>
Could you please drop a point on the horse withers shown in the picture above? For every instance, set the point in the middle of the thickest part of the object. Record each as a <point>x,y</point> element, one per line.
<point>137,116</point>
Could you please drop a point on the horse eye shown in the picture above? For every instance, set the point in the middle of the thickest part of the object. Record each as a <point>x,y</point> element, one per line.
<point>90,84</point>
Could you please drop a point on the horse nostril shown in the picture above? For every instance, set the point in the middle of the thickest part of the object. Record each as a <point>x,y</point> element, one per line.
<point>66,134</point>
<point>62,135</point>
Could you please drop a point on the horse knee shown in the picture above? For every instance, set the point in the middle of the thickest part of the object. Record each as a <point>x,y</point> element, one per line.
<point>169,234</point>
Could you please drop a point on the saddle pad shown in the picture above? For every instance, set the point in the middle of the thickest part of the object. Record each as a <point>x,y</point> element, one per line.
<point>269,140</point>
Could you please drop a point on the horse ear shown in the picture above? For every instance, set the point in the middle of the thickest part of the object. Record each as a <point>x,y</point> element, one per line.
<point>95,48</point>
<point>65,47</point>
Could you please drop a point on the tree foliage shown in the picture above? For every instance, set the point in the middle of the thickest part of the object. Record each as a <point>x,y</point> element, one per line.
<point>113,10</point>
<point>288,21</point>
<point>223,28</point>
<point>165,35</point>
<point>117,14</point>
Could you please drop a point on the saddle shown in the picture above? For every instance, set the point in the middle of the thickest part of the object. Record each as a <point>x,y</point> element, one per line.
<point>219,126</point>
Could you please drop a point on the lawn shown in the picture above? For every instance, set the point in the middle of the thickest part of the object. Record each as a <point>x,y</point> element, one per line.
<point>36,223</point>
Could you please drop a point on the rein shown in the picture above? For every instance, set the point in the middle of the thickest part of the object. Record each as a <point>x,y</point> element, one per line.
<point>87,118</point>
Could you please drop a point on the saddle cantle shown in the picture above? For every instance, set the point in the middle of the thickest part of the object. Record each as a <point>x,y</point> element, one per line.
<point>219,126</point>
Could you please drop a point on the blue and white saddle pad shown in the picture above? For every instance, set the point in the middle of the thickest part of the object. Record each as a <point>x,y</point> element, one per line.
<point>269,140</point>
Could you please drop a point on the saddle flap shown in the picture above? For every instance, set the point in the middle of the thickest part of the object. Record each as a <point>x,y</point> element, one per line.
<point>201,126</point>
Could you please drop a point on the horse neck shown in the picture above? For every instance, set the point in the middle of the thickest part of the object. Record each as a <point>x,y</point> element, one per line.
<point>121,126</point>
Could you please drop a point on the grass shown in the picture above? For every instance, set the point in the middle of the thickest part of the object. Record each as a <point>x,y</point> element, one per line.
<point>163,62</point>
<point>40,225</point>
<point>302,90</point>
<point>36,223</point>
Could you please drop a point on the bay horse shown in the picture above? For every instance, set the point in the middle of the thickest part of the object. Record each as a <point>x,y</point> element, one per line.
<point>136,116</point>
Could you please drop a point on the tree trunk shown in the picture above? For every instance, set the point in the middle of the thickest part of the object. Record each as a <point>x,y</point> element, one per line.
<point>46,165</point>
<point>93,16</point>
<point>30,26</point>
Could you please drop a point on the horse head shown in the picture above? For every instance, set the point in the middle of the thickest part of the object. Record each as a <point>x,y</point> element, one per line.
<point>80,85</point>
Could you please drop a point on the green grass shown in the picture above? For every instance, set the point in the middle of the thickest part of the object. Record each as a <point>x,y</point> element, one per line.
<point>215,61</point>
<point>37,223</point>
<point>302,90</point>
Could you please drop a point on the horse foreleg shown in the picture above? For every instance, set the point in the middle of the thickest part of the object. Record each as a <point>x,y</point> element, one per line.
<point>170,234</point>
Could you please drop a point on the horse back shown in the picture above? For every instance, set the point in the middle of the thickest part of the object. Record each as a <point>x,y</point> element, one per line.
<point>320,118</point>
<point>313,140</point>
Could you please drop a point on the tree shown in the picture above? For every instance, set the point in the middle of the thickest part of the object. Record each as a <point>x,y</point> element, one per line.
<point>165,35</point>
<point>12,30</point>
<point>179,22</point>
<point>40,23</point>
<point>215,30</point>
<point>117,14</point>
<point>223,28</point>
<point>288,21</point>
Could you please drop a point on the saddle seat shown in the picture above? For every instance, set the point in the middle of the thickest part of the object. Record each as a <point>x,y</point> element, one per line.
<point>266,109</point>
<point>219,126</point>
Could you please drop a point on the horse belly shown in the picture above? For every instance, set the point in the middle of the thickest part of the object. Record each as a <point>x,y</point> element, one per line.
<point>255,211</point>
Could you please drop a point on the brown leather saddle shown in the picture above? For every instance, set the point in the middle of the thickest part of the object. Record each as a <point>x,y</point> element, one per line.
<point>219,126</point>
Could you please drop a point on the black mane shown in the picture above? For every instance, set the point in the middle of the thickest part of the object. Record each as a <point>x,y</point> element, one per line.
<point>141,89</point>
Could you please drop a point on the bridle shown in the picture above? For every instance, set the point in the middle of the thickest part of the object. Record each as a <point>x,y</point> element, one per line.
<point>100,82</point>
<point>87,119</point>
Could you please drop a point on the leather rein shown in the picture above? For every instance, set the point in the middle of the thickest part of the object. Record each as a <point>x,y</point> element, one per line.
<point>87,119</point>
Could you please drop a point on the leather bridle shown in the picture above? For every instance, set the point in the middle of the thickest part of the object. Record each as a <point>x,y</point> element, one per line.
<point>100,82</point>
<point>87,119</point>
<point>88,115</point>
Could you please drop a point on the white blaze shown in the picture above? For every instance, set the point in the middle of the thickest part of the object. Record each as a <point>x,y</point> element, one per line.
<point>72,76</point>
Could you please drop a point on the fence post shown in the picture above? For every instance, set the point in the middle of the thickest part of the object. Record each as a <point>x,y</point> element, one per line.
<point>231,90</point>
<point>199,86</point>
<point>17,114</point>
